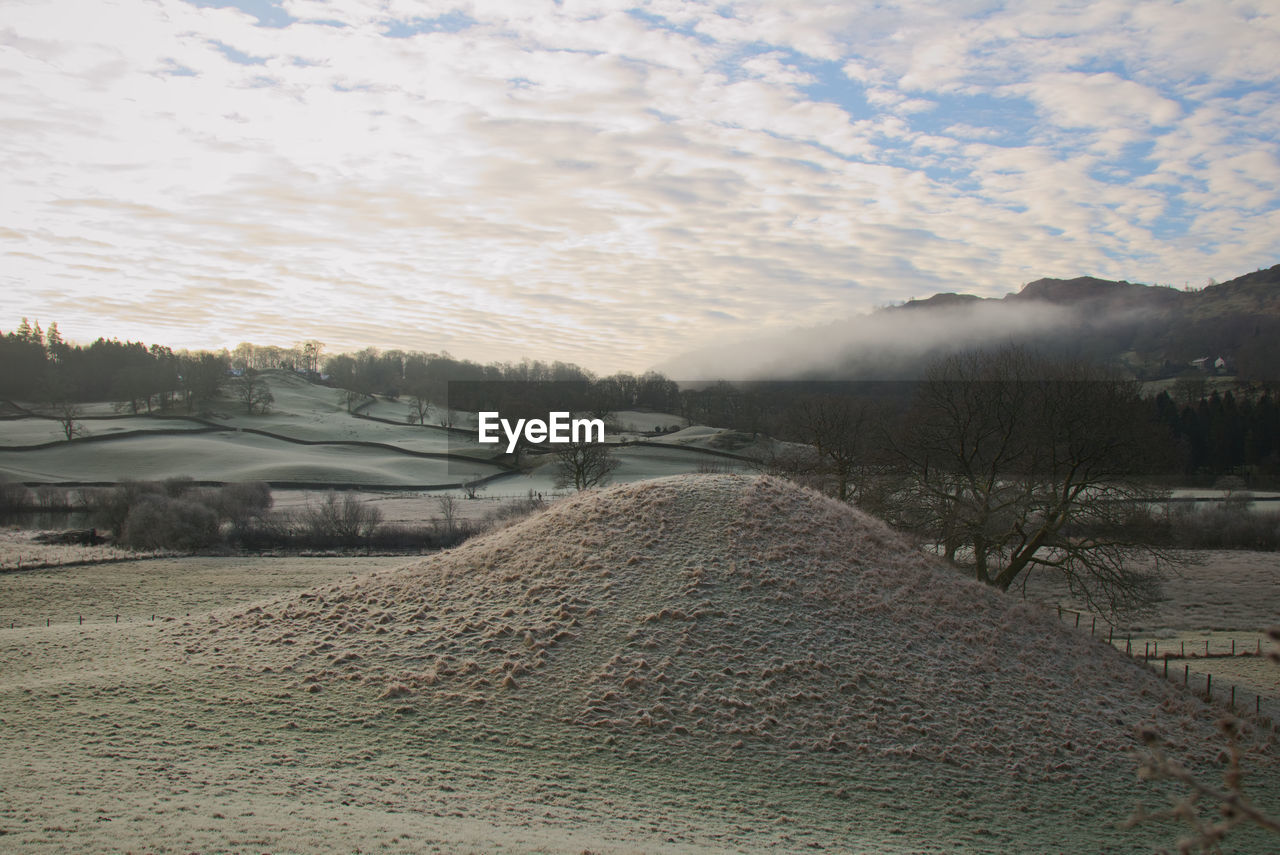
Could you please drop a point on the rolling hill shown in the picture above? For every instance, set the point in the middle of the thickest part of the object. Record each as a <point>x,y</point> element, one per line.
<point>698,619</point>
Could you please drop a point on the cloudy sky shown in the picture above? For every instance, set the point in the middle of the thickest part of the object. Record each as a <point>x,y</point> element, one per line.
<point>612,183</point>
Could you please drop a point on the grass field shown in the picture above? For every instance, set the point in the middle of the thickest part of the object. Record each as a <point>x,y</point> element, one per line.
<point>701,666</point>
<point>1219,597</point>
<point>313,414</point>
<point>233,456</point>
<point>225,725</point>
<point>33,431</point>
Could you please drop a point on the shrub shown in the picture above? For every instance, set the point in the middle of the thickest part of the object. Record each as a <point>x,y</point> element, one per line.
<point>1229,525</point>
<point>110,507</point>
<point>515,510</point>
<point>179,486</point>
<point>13,496</point>
<point>240,502</point>
<point>159,522</point>
<point>340,522</point>
<point>51,498</point>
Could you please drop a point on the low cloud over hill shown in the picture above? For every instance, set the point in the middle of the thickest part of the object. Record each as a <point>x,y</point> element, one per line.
<point>1151,330</point>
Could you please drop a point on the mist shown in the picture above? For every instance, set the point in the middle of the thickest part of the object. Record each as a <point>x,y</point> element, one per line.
<point>897,343</point>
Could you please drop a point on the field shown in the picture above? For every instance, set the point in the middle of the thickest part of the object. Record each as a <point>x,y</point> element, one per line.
<point>308,439</point>
<point>229,723</point>
<point>1222,597</point>
<point>699,663</point>
<point>37,431</point>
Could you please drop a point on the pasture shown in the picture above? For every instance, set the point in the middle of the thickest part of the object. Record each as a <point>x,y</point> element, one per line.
<point>309,439</point>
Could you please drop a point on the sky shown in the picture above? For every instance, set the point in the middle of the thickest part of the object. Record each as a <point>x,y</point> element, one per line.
<point>612,183</point>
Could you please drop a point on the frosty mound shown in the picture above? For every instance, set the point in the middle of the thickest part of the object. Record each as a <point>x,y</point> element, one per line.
<point>720,613</point>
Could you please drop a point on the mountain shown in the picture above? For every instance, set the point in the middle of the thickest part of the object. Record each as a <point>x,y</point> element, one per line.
<point>1158,331</point>
<point>1152,331</point>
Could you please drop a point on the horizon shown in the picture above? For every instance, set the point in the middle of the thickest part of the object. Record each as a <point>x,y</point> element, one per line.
<point>981,320</point>
<point>612,185</point>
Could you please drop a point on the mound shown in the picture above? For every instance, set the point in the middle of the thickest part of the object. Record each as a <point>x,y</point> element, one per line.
<point>724,612</point>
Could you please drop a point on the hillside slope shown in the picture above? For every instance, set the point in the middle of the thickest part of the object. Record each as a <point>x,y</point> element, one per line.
<point>1153,331</point>
<point>715,614</point>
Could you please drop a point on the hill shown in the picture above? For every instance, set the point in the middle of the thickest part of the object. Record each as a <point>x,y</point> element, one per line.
<point>1153,331</point>
<point>714,614</point>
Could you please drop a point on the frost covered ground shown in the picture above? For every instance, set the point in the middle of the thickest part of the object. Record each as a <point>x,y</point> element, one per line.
<point>702,663</point>
<point>19,551</point>
<point>1220,597</point>
<point>311,438</point>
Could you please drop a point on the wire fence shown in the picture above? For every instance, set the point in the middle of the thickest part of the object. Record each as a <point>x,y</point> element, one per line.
<point>85,620</point>
<point>1201,681</point>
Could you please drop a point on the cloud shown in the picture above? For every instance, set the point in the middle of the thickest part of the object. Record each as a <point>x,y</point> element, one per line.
<point>886,345</point>
<point>592,182</point>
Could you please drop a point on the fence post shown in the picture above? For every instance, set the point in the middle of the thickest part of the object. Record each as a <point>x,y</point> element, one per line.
<point>1186,674</point>
<point>1094,625</point>
<point>1077,620</point>
<point>1166,667</point>
<point>1208,686</point>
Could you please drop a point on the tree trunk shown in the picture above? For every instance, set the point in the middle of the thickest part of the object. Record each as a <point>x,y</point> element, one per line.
<point>980,560</point>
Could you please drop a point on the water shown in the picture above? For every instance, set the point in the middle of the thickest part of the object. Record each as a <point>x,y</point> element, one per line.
<point>48,520</point>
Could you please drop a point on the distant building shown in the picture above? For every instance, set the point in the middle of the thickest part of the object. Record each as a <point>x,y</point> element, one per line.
<point>1210,364</point>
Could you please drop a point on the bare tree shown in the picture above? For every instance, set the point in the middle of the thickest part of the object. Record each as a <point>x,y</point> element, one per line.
<point>448,512</point>
<point>839,430</point>
<point>68,413</point>
<point>251,389</point>
<point>1019,463</point>
<point>584,464</point>
<point>419,408</point>
<point>346,520</point>
<point>201,376</point>
<point>311,350</point>
<point>13,496</point>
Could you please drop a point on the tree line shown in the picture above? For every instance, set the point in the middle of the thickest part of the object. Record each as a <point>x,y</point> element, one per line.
<point>42,367</point>
<point>1224,435</point>
<point>530,387</point>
